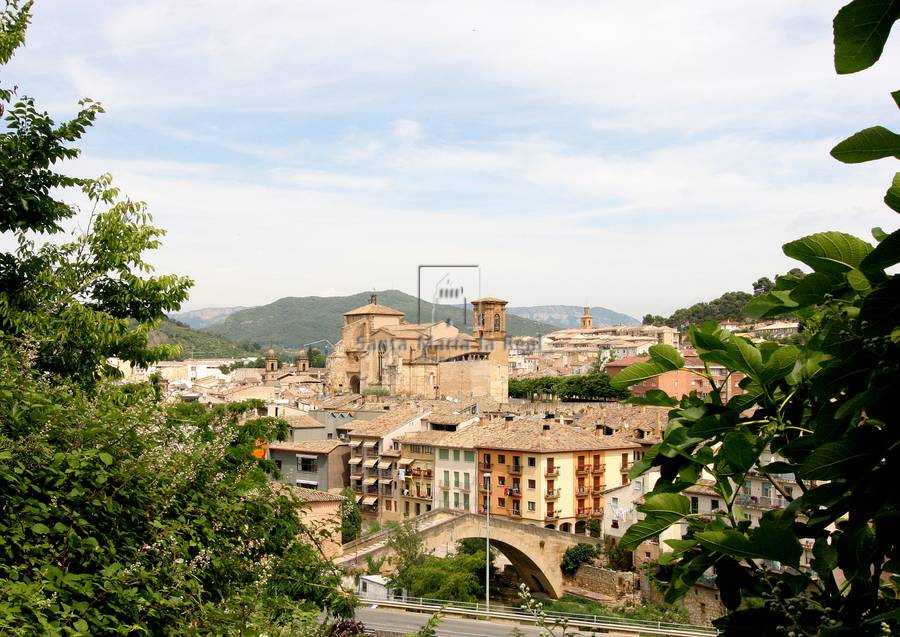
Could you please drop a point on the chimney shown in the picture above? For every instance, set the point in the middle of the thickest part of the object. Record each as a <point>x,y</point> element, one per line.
<point>373,299</point>
<point>598,429</point>
<point>546,430</point>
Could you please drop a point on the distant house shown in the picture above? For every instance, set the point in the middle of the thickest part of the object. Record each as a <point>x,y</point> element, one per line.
<point>312,464</point>
<point>375,587</point>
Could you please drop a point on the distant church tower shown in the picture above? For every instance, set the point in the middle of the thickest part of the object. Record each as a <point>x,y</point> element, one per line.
<point>302,361</point>
<point>490,318</point>
<point>271,361</point>
<point>587,321</point>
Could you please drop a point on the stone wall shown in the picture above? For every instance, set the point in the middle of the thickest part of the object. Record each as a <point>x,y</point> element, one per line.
<point>617,584</point>
<point>702,603</point>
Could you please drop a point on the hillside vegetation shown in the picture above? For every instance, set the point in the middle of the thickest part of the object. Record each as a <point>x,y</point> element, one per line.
<point>295,321</point>
<point>196,344</point>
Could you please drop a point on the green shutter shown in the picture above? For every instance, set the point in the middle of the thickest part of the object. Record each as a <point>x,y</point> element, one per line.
<point>444,454</point>
<point>470,456</point>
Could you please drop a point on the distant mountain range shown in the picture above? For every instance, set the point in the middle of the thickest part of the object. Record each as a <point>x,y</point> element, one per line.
<point>207,316</point>
<point>294,321</point>
<point>570,315</point>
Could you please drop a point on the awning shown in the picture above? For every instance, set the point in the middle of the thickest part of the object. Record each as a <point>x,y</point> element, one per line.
<point>370,481</point>
<point>354,461</point>
<point>369,444</point>
<point>384,464</point>
<point>406,461</point>
<point>385,480</point>
<point>309,484</point>
<point>370,500</point>
<point>360,499</point>
<point>355,443</point>
<point>300,455</point>
<point>370,463</point>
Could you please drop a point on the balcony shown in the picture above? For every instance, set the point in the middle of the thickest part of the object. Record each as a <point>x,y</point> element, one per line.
<point>583,469</point>
<point>582,513</point>
<point>598,469</point>
<point>597,513</point>
<point>552,515</point>
<point>485,466</point>
<point>582,490</point>
<point>420,473</point>
<point>598,490</point>
<point>514,493</point>
<point>552,472</point>
<point>444,485</point>
<point>515,469</point>
<point>552,494</point>
<point>626,467</point>
<point>465,488</point>
<point>515,513</point>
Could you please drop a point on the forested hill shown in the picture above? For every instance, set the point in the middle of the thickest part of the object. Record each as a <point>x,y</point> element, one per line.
<point>197,344</point>
<point>728,307</point>
<point>294,321</point>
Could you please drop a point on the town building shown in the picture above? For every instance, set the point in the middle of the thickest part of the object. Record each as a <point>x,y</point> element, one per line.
<point>312,464</point>
<point>380,353</point>
<point>681,382</point>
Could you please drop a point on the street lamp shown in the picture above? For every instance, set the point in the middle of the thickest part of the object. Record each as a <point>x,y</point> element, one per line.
<point>487,540</point>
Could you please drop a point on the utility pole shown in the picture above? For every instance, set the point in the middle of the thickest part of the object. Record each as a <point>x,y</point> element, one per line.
<point>487,539</point>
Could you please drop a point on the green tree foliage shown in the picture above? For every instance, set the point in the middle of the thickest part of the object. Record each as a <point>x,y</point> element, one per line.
<point>458,577</point>
<point>762,285</point>
<point>654,319</point>
<point>407,548</point>
<point>589,387</point>
<point>118,514</point>
<point>575,556</point>
<point>827,406</point>
<point>351,517</point>
<point>316,357</point>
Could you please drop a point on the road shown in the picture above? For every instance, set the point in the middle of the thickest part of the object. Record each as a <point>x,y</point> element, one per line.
<point>403,622</point>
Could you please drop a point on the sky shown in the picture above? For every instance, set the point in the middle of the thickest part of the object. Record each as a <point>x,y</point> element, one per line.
<point>637,156</point>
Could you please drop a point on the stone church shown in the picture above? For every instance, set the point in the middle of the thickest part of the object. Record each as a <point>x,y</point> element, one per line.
<point>380,353</point>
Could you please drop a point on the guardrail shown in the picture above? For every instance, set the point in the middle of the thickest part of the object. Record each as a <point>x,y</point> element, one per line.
<point>499,611</point>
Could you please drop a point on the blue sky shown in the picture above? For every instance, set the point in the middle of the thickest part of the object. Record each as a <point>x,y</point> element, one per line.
<point>639,157</point>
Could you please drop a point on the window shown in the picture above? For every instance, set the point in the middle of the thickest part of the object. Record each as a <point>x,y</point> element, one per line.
<point>365,586</point>
<point>501,502</point>
<point>456,455</point>
<point>466,481</point>
<point>387,505</point>
<point>695,504</point>
<point>501,481</point>
<point>638,485</point>
<point>501,459</point>
<point>278,464</point>
<point>532,485</point>
<point>456,479</point>
<point>310,465</point>
<point>713,505</point>
<point>531,506</point>
<point>447,478</point>
<point>532,462</point>
<point>466,500</point>
<point>487,458</point>
<point>418,508</point>
<point>487,483</point>
<point>456,499</point>
<point>469,456</point>
<point>443,454</point>
<point>496,322</point>
<point>446,499</point>
<point>330,436</point>
<point>615,502</point>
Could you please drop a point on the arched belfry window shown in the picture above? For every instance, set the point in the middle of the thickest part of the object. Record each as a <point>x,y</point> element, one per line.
<point>496,322</point>
<point>481,320</point>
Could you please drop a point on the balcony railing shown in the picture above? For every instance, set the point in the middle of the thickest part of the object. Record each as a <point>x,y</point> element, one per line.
<point>515,513</point>
<point>582,490</point>
<point>598,490</point>
<point>598,469</point>
<point>582,513</point>
<point>761,501</point>
<point>597,513</point>
<point>626,466</point>
<point>465,488</point>
<point>515,469</point>
<point>583,469</point>
<point>552,472</point>
<point>552,515</point>
<point>444,485</point>
<point>485,466</point>
<point>552,494</point>
<point>514,492</point>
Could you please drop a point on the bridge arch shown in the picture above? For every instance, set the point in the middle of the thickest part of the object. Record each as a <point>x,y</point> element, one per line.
<point>535,552</point>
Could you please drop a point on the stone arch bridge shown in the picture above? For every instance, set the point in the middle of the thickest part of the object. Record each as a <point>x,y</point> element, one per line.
<point>535,552</point>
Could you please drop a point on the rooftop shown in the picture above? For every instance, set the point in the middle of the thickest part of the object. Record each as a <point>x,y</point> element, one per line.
<point>374,308</point>
<point>307,446</point>
<point>388,422</point>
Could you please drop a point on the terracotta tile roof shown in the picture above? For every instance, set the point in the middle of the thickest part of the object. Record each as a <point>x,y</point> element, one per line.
<point>427,437</point>
<point>528,434</point>
<point>489,299</point>
<point>372,308</point>
<point>307,495</point>
<point>387,422</point>
<point>308,446</point>
<point>303,421</point>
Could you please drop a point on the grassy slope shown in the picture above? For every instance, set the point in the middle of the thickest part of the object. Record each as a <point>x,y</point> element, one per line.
<point>294,321</point>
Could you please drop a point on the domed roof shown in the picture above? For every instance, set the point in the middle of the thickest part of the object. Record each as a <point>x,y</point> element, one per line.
<point>302,354</point>
<point>271,353</point>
